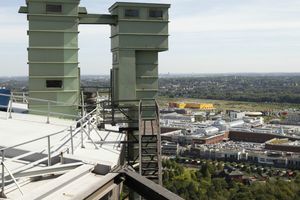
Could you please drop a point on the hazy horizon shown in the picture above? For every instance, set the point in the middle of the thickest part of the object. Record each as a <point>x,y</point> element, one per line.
<point>195,74</point>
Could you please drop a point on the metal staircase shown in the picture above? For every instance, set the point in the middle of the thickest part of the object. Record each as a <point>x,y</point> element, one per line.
<point>143,145</point>
<point>149,141</point>
<point>118,112</point>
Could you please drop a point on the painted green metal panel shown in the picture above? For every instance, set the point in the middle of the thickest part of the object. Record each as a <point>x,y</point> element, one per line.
<point>53,53</point>
<point>39,38</point>
<point>136,27</point>
<point>98,19</point>
<point>141,42</point>
<point>142,37</point>
<point>44,24</point>
<point>126,74</point>
<point>53,69</point>
<point>53,48</point>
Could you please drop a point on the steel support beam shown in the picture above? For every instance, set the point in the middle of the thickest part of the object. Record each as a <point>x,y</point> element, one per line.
<point>97,19</point>
<point>143,186</point>
<point>48,170</point>
<point>147,188</point>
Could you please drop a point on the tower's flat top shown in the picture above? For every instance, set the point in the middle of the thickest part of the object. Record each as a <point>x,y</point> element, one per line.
<point>55,1</point>
<point>130,4</point>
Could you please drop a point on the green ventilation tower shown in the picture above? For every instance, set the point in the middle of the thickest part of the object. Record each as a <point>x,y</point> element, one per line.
<point>53,54</point>
<point>141,32</point>
<point>138,32</point>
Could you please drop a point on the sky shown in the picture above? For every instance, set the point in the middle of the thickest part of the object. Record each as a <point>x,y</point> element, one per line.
<point>206,36</point>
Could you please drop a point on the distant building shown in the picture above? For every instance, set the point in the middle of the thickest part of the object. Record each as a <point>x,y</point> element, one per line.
<point>173,110</point>
<point>237,123</point>
<point>200,116</point>
<point>221,125</point>
<point>200,106</point>
<point>253,114</point>
<point>177,117</point>
<point>256,135</point>
<point>210,138</point>
<point>207,131</point>
<point>235,175</point>
<point>236,115</point>
<point>265,157</point>
<point>169,148</point>
<point>255,121</point>
<point>293,118</point>
<point>283,144</point>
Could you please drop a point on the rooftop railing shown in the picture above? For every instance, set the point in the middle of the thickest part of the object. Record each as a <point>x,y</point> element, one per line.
<point>69,141</point>
<point>24,99</point>
<point>84,126</point>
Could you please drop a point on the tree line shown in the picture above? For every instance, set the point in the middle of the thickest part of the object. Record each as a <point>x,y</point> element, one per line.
<point>281,89</point>
<point>193,184</point>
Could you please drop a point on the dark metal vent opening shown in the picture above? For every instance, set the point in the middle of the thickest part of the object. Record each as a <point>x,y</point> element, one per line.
<point>132,13</point>
<point>53,8</point>
<point>54,83</point>
<point>155,13</point>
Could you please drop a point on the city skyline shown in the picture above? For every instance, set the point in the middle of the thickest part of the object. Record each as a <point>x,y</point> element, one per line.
<point>205,37</point>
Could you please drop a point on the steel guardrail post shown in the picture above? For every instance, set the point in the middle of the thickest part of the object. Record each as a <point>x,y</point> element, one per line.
<point>23,95</point>
<point>81,134</point>
<point>2,175</point>
<point>82,104</point>
<point>89,126</point>
<point>72,144</point>
<point>10,106</point>
<point>140,137</point>
<point>12,176</point>
<point>48,114</point>
<point>49,151</point>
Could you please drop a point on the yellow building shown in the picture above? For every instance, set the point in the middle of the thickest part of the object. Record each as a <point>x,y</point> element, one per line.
<point>200,106</point>
<point>207,106</point>
<point>181,105</point>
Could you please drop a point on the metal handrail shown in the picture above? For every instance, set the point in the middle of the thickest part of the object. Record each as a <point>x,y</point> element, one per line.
<point>83,119</point>
<point>53,113</point>
<point>159,143</point>
<point>51,101</point>
<point>49,135</point>
<point>34,140</point>
<point>156,107</point>
<point>49,152</point>
<point>48,112</point>
<point>37,99</point>
<point>12,176</point>
<point>44,100</point>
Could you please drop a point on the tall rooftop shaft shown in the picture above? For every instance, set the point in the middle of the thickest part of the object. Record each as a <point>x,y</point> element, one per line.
<point>53,53</point>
